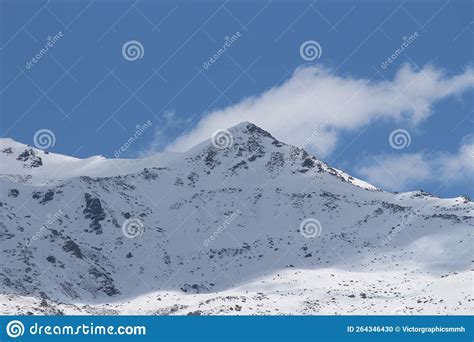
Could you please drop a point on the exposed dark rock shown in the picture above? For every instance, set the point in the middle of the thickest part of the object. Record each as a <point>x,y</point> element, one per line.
<point>71,247</point>
<point>241,164</point>
<point>95,212</point>
<point>48,196</point>
<point>30,156</point>
<point>51,259</point>
<point>13,193</point>
<point>106,282</point>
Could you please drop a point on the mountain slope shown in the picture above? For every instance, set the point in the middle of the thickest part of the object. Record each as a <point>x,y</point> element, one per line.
<point>256,216</point>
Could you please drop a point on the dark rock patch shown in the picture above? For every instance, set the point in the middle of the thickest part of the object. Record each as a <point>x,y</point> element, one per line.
<point>13,193</point>
<point>71,247</point>
<point>94,212</point>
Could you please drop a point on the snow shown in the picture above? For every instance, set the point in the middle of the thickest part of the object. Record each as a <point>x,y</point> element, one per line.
<point>296,292</point>
<point>377,252</point>
<point>57,167</point>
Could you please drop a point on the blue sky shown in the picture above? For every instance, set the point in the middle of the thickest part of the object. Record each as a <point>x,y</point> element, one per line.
<point>92,98</point>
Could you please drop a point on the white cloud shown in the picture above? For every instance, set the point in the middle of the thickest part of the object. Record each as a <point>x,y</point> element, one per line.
<point>399,172</point>
<point>168,123</point>
<point>395,172</point>
<point>313,98</point>
<point>461,164</point>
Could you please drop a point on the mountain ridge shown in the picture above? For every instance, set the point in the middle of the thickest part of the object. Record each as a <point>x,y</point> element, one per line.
<point>159,159</point>
<point>227,218</point>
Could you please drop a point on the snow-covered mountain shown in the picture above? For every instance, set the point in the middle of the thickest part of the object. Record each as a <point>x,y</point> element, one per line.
<point>258,227</point>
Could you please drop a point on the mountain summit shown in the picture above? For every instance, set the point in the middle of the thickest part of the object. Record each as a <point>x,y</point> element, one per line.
<point>246,143</point>
<point>241,223</point>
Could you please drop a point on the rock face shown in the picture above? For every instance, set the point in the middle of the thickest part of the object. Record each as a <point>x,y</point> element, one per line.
<point>94,212</point>
<point>211,220</point>
<point>28,156</point>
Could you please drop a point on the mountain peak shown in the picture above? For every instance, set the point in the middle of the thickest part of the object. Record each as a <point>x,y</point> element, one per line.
<point>233,205</point>
<point>248,127</point>
<point>234,208</point>
<point>242,147</point>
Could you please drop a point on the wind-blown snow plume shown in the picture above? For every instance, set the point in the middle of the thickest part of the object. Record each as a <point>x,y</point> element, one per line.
<point>314,97</point>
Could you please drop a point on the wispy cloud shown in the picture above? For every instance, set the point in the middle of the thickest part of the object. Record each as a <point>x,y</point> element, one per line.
<point>169,125</point>
<point>402,171</point>
<point>314,98</point>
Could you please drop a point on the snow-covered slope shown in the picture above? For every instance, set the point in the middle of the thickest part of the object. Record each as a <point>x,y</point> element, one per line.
<point>260,221</point>
<point>27,164</point>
